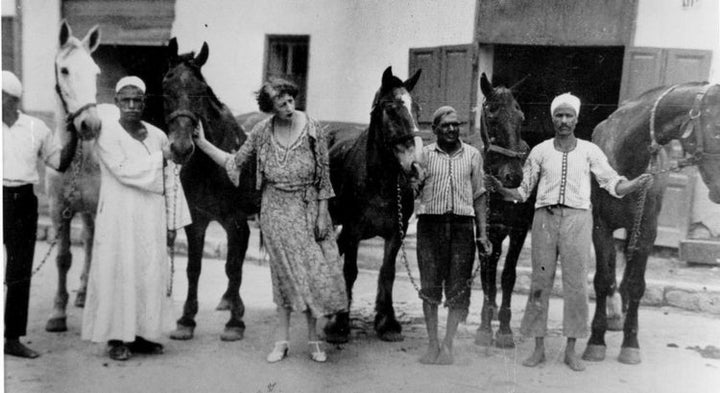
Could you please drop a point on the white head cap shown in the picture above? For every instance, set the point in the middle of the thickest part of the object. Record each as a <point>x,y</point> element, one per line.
<point>130,81</point>
<point>565,99</point>
<point>11,84</point>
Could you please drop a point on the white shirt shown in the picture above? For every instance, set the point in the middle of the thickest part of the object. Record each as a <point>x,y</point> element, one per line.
<point>23,143</point>
<point>564,177</point>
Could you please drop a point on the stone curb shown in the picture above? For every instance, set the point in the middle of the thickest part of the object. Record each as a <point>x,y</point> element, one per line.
<point>685,295</point>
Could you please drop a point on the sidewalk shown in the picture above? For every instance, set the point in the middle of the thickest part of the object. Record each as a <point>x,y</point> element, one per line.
<point>669,282</point>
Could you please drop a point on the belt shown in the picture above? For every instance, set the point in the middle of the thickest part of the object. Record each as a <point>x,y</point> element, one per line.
<point>550,208</point>
<point>18,192</point>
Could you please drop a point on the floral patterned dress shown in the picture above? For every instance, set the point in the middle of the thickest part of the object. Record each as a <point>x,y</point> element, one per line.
<point>306,272</point>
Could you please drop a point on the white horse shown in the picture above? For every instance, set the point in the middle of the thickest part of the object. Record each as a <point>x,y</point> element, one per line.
<point>76,190</point>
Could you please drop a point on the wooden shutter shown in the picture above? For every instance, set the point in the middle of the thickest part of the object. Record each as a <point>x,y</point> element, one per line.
<point>427,88</point>
<point>456,84</point>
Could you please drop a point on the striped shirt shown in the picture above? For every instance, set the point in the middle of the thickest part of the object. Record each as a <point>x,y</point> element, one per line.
<point>452,182</point>
<point>564,177</point>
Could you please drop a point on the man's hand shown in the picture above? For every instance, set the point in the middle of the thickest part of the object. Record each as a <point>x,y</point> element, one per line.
<point>483,244</point>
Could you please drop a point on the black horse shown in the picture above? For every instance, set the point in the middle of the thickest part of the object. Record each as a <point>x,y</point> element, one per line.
<point>632,138</point>
<point>370,172</point>
<point>210,194</point>
<point>504,155</point>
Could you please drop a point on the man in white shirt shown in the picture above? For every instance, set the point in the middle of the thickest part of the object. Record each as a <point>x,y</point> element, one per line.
<point>561,168</point>
<point>25,139</point>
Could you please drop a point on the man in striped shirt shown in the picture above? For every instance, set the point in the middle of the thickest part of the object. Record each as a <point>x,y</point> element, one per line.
<point>451,219</point>
<point>561,167</point>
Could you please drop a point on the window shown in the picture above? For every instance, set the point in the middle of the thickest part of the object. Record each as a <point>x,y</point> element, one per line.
<point>286,56</point>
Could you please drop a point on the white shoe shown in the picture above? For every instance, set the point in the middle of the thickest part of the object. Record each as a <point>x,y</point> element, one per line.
<point>316,353</point>
<point>279,352</point>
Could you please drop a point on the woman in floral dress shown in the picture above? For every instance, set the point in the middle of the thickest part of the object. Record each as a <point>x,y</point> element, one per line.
<point>294,176</point>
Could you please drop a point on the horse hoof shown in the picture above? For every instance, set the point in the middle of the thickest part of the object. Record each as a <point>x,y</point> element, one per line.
<point>629,355</point>
<point>484,337</point>
<point>182,333</point>
<point>594,353</point>
<point>391,336</point>
<point>56,325</point>
<point>224,305</point>
<point>615,323</point>
<point>504,340</point>
<point>336,338</point>
<point>232,334</point>
<point>80,300</point>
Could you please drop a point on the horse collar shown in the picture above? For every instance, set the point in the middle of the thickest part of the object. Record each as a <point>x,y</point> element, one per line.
<point>654,145</point>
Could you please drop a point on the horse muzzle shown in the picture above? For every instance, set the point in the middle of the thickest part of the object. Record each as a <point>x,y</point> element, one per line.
<point>87,123</point>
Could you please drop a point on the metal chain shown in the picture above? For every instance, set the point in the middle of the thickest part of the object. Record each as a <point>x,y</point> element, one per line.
<point>171,248</point>
<point>65,214</point>
<point>403,257</point>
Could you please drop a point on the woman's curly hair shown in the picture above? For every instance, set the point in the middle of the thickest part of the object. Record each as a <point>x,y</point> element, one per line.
<point>272,88</point>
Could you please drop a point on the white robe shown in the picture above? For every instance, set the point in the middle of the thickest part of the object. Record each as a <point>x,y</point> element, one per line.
<point>127,288</point>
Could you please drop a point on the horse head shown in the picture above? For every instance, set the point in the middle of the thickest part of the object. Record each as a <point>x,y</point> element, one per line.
<point>393,123</point>
<point>505,151</point>
<point>184,92</point>
<point>76,80</point>
<point>701,138</point>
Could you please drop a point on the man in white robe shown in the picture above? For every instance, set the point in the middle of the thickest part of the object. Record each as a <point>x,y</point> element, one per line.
<point>128,302</point>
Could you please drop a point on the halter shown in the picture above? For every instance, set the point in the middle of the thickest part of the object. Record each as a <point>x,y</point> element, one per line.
<point>692,125</point>
<point>181,113</point>
<point>490,147</point>
<point>70,117</point>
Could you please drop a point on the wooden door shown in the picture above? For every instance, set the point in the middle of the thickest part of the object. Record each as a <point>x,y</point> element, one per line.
<point>446,80</point>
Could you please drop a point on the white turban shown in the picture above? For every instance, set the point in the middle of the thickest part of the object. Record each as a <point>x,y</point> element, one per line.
<point>565,99</point>
<point>11,84</point>
<point>130,81</point>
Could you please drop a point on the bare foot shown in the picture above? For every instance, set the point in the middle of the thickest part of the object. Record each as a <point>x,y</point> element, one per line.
<point>574,362</point>
<point>431,355</point>
<point>536,358</point>
<point>445,357</point>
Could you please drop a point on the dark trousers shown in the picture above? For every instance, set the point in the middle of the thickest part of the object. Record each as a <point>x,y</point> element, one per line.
<point>446,253</point>
<point>20,209</point>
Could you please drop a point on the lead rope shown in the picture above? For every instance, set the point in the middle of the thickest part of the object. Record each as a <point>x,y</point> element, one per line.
<point>66,213</point>
<point>403,257</point>
<point>171,247</point>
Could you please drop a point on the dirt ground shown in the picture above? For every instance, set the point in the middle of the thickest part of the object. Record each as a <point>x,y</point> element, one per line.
<point>673,344</point>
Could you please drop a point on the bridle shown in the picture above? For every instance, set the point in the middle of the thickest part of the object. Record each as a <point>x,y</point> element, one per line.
<point>491,147</point>
<point>70,116</point>
<point>691,126</point>
<point>181,113</point>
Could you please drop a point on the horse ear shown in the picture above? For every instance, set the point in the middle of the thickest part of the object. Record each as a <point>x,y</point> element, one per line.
<point>173,47</point>
<point>65,32</point>
<point>410,83</point>
<point>387,77</point>
<point>92,39</point>
<point>485,86</point>
<point>202,57</point>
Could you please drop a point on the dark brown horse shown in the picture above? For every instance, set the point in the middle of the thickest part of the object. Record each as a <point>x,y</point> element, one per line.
<point>632,138</point>
<point>370,172</point>
<point>209,192</point>
<point>504,154</point>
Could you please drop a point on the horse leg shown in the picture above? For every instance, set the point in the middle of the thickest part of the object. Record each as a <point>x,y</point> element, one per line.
<point>488,276</point>
<point>632,289</point>
<point>614,308</point>
<point>337,329</point>
<point>88,238</point>
<point>386,325</point>
<point>195,233</point>
<point>504,337</point>
<point>58,319</point>
<point>238,234</point>
<point>603,282</point>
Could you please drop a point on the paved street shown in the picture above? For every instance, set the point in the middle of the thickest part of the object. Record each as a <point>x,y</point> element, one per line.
<point>365,364</point>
